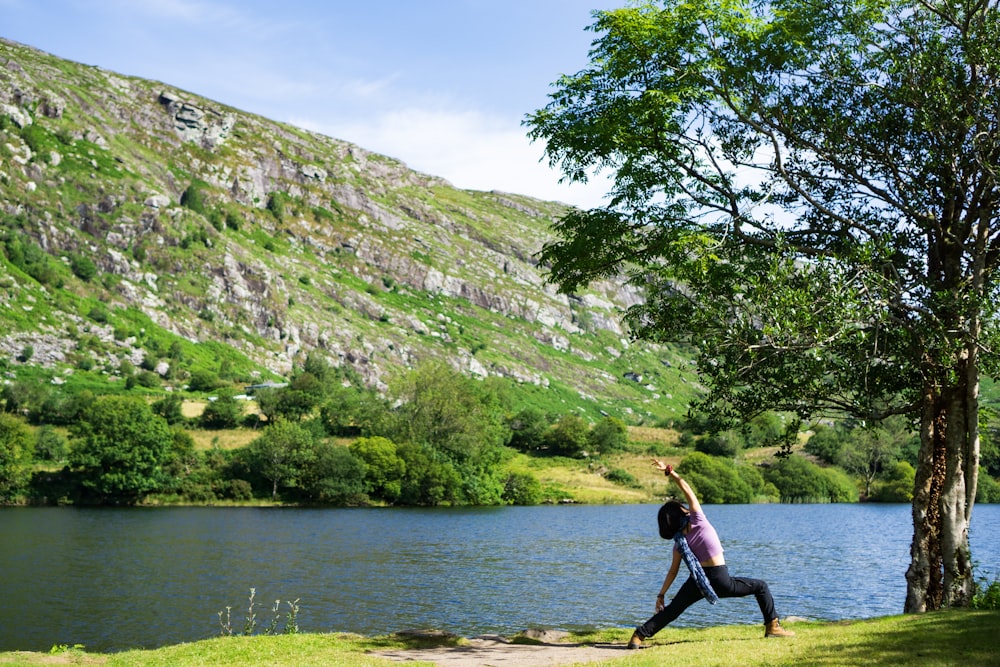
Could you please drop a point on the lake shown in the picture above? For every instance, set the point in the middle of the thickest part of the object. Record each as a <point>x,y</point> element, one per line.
<point>113,579</point>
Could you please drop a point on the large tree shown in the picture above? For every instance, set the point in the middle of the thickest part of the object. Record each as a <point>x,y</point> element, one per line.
<point>119,450</point>
<point>807,191</point>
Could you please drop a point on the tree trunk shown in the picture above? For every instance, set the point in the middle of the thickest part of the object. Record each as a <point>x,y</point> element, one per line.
<point>940,573</point>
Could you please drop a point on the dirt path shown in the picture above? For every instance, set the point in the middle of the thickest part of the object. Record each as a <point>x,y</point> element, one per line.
<point>493,651</point>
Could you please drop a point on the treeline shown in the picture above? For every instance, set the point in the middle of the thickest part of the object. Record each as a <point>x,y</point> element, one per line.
<point>435,438</point>
<point>846,461</point>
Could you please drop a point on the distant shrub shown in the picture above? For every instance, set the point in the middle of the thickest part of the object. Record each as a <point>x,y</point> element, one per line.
<point>217,219</point>
<point>840,488</point>
<point>335,477</point>
<point>826,443</point>
<point>622,478</point>
<point>522,489</point>
<point>987,490</point>
<point>99,314</point>
<point>223,413</point>
<point>321,213</point>
<point>897,487</point>
<point>233,220</point>
<point>235,489</point>
<point>50,445</point>
<point>385,468</point>
<point>801,480</point>
<point>203,380</point>
<point>716,480</point>
<point>147,379</point>
<point>527,429</point>
<point>193,197</point>
<point>726,443</point>
<point>276,204</point>
<point>38,139</point>
<point>568,436</point>
<point>170,408</point>
<point>608,435</point>
<point>61,408</point>
<point>30,258</point>
<point>82,267</point>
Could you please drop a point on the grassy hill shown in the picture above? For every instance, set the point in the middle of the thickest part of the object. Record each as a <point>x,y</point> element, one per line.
<point>144,228</point>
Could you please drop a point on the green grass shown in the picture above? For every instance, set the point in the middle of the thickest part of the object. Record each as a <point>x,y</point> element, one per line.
<point>956,637</point>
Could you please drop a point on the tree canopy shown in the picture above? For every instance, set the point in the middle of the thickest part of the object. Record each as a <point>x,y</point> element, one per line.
<point>119,450</point>
<point>807,192</point>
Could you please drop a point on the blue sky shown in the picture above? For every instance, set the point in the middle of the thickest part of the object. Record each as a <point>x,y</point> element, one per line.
<point>442,85</point>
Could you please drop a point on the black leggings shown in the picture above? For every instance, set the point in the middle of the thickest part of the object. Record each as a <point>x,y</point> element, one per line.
<point>723,585</point>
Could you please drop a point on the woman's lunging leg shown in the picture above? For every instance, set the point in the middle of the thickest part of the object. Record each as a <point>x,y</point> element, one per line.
<point>686,596</point>
<point>738,587</point>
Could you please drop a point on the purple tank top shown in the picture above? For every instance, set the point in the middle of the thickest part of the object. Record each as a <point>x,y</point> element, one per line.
<point>702,538</point>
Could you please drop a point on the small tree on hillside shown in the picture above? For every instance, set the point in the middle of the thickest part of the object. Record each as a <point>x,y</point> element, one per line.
<point>527,429</point>
<point>608,435</point>
<point>225,412</point>
<point>568,436</point>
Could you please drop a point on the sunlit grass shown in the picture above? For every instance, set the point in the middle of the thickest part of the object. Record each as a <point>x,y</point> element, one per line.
<point>577,480</point>
<point>965,638</point>
<point>223,439</point>
<point>653,435</point>
<point>943,638</point>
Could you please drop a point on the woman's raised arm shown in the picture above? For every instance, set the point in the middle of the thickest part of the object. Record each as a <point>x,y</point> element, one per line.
<point>692,500</point>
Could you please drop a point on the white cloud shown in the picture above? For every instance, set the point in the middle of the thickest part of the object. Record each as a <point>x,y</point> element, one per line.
<point>470,149</point>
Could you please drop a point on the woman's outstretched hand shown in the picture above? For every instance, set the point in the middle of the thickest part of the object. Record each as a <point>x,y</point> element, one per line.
<point>665,467</point>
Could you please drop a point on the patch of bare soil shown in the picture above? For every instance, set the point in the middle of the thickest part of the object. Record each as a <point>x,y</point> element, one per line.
<point>495,651</point>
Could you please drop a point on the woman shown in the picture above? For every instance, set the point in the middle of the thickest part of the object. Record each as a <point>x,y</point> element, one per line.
<point>697,543</point>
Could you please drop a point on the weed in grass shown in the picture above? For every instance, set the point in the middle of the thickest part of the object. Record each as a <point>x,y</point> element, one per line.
<point>291,618</point>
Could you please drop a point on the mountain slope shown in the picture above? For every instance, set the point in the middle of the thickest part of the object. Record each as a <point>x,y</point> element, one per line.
<point>146,224</point>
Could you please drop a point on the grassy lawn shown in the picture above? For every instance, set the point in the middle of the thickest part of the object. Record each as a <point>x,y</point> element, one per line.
<point>966,638</point>
<point>963,638</point>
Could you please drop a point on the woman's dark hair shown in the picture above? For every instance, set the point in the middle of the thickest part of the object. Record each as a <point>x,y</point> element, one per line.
<point>671,517</point>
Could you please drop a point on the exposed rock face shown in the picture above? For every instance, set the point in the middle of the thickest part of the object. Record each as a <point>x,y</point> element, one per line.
<point>207,128</point>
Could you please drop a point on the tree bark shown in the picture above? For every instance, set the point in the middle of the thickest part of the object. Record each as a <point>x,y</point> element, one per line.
<point>940,571</point>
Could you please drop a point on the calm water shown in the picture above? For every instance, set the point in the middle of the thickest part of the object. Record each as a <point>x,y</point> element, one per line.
<point>112,579</point>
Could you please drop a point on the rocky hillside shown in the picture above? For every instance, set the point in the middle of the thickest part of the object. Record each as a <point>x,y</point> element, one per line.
<point>145,224</point>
